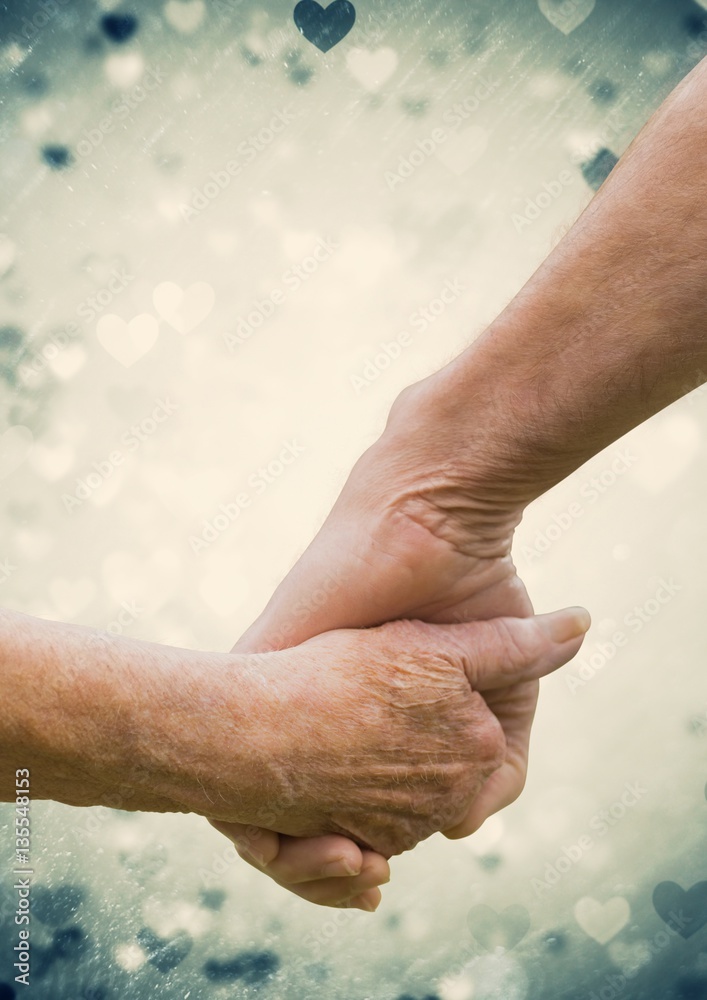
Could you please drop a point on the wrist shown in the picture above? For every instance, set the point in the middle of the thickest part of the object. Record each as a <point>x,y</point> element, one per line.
<point>463,452</point>
<point>103,720</point>
<point>493,413</point>
<point>209,739</point>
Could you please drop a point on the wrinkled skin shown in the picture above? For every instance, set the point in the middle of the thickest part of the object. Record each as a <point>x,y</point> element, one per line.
<point>411,536</point>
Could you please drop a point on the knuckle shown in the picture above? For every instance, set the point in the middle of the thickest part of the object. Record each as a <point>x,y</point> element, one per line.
<point>515,790</point>
<point>411,633</point>
<point>453,809</point>
<point>518,650</point>
<point>517,784</point>
<point>398,840</point>
<point>486,741</point>
<point>284,872</point>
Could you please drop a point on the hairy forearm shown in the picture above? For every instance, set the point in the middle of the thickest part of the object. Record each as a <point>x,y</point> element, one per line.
<point>98,719</point>
<point>609,330</point>
<point>54,709</point>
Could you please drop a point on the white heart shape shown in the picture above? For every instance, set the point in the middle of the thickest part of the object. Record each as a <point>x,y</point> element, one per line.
<point>184,17</point>
<point>629,957</point>
<point>71,598</point>
<point>32,543</point>
<point>463,148</point>
<point>372,69</point>
<point>127,342</point>
<point>184,309</point>
<point>602,922</point>
<point>566,15</point>
<point>52,463</point>
<point>15,444</point>
<point>124,70</point>
<point>68,362</point>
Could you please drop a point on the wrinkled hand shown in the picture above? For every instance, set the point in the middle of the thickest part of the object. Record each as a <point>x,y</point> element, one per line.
<point>417,532</point>
<point>387,736</point>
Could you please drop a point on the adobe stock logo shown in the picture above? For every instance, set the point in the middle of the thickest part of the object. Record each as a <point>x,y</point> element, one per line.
<point>420,320</point>
<point>534,207</point>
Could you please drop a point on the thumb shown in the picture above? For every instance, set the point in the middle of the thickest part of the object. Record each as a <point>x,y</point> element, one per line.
<point>499,652</point>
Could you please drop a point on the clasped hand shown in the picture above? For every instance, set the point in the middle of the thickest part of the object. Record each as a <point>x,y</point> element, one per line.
<point>450,710</point>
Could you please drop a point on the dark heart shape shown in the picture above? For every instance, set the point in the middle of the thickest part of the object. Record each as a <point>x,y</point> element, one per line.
<point>56,906</point>
<point>253,967</point>
<point>71,942</point>
<point>119,27</point>
<point>324,27</point>
<point>165,955</point>
<point>684,912</point>
<point>494,930</point>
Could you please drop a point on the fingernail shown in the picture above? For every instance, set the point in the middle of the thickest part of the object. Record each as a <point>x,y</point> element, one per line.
<point>250,853</point>
<point>339,868</point>
<point>361,903</point>
<point>568,624</point>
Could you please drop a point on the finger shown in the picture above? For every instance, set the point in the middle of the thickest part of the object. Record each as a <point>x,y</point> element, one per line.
<point>311,858</point>
<point>502,788</point>
<point>504,651</point>
<point>255,845</point>
<point>344,891</point>
<point>366,901</point>
<point>307,859</point>
<point>314,598</point>
<point>515,709</point>
<point>508,592</point>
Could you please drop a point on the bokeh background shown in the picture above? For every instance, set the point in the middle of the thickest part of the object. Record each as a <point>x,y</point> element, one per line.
<point>210,229</point>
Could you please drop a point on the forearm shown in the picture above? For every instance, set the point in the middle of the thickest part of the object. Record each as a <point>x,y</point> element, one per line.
<point>53,716</point>
<point>96,718</point>
<point>609,330</point>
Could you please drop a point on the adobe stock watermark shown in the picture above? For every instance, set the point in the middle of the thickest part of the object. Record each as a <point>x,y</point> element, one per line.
<point>635,621</point>
<point>120,110</point>
<point>292,279</point>
<point>318,941</point>
<point>553,189</point>
<point>94,819</point>
<point>258,482</point>
<point>34,25</point>
<point>543,199</point>
<point>248,841</point>
<point>616,983</point>
<point>610,130</point>
<point>300,613</point>
<point>372,25</point>
<point>128,613</point>
<point>600,824</point>
<point>428,145</point>
<point>247,152</point>
<point>390,351</point>
<point>225,9</point>
<point>131,440</point>
<point>590,491</point>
